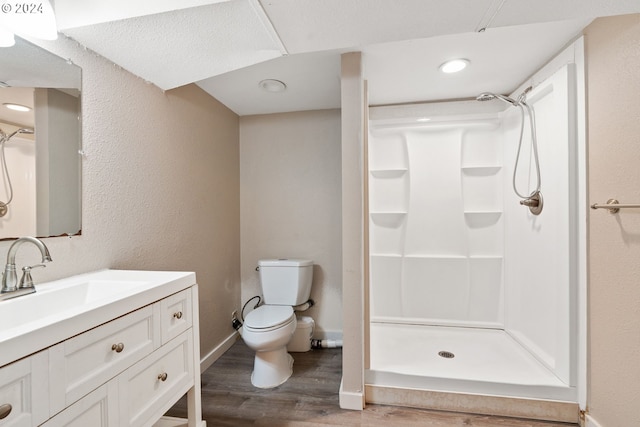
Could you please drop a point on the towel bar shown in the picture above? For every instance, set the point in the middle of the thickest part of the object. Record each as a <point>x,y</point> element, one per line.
<point>614,206</point>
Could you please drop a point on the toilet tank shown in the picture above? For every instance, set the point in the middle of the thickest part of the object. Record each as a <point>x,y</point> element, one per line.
<point>285,281</point>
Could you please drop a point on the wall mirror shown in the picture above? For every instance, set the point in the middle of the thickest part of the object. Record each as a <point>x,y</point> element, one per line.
<point>40,161</point>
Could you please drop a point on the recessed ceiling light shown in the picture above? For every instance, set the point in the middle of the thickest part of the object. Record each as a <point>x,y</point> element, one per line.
<point>423,119</point>
<point>272,85</point>
<point>16,107</point>
<point>454,65</point>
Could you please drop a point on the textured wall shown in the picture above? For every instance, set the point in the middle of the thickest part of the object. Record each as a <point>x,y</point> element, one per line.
<point>290,203</point>
<point>613,58</point>
<point>160,187</point>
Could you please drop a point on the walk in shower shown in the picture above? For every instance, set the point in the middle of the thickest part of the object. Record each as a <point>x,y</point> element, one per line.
<point>468,290</point>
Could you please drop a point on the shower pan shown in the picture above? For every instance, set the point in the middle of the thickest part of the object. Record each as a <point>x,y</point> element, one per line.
<point>469,293</point>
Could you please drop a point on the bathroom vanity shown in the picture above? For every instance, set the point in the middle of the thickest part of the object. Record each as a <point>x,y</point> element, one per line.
<point>110,348</point>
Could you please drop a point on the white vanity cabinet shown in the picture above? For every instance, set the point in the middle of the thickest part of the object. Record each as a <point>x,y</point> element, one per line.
<point>83,363</point>
<point>23,392</point>
<point>127,371</point>
<point>97,409</point>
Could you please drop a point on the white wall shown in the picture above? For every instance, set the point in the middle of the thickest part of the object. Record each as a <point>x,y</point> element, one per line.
<point>160,187</point>
<point>290,203</point>
<point>540,276</point>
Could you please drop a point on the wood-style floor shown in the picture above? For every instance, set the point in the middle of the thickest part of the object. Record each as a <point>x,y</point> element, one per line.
<point>310,399</point>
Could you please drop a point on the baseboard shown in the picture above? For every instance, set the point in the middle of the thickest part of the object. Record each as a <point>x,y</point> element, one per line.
<point>591,422</point>
<point>547,410</point>
<point>215,354</point>
<point>351,400</point>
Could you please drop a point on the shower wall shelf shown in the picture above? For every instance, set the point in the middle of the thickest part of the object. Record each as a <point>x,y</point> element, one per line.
<point>480,219</point>
<point>487,213</point>
<point>388,173</point>
<point>434,256</point>
<point>388,218</point>
<point>490,170</point>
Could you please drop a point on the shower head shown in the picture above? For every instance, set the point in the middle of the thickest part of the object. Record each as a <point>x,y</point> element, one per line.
<point>23,130</point>
<point>488,96</point>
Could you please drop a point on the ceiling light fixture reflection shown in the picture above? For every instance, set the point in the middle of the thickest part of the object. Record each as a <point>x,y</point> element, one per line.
<point>272,85</point>
<point>454,65</point>
<point>16,107</point>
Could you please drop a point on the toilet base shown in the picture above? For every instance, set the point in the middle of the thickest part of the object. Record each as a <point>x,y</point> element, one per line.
<point>271,368</point>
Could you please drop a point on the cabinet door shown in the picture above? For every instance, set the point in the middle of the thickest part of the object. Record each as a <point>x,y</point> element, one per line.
<point>24,399</point>
<point>97,409</point>
<point>85,362</point>
<point>176,315</point>
<point>150,387</point>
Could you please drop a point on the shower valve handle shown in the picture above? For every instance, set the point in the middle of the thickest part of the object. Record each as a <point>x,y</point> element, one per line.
<point>532,203</point>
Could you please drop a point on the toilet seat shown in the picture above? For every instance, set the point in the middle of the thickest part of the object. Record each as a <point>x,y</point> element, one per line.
<point>269,317</point>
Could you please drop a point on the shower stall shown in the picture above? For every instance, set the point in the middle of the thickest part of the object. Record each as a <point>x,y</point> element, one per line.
<point>469,292</point>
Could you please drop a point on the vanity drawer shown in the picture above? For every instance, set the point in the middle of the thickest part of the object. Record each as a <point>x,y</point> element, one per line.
<point>97,409</point>
<point>176,315</point>
<point>149,388</point>
<point>23,392</point>
<point>84,362</point>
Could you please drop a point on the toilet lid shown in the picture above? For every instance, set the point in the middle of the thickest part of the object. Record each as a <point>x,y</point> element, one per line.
<point>268,316</point>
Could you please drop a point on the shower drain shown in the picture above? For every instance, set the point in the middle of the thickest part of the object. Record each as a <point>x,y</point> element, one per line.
<point>446,354</point>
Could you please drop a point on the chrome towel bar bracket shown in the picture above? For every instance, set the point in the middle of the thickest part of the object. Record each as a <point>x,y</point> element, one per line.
<point>614,206</point>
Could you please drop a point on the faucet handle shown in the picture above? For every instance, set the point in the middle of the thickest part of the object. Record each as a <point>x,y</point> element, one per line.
<point>26,281</point>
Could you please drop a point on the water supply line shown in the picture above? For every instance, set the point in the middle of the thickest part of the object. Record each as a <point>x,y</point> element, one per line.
<point>318,344</point>
<point>534,200</point>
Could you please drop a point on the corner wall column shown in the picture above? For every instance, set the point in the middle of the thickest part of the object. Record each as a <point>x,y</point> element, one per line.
<point>353,138</point>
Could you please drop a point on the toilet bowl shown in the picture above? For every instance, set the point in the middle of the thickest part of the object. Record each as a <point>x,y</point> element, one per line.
<point>267,330</point>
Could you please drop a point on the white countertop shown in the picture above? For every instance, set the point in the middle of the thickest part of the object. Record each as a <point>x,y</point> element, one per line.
<point>31,322</point>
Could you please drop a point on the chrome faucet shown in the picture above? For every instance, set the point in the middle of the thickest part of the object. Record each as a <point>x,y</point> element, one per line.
<point>10,286</point>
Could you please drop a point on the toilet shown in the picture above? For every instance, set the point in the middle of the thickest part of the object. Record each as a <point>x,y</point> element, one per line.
<point>268,329</point>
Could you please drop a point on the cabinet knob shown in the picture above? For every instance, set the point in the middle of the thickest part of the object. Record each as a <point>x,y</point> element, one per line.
<point>163,376</point>
<point>177,315</point>
<point>117,347</point>
<point>5,410</point>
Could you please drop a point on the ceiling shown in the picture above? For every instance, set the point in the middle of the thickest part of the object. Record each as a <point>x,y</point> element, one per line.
<point>228,46</point>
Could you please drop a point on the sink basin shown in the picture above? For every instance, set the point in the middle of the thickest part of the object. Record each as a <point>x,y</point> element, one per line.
<point>56,300</point>
<point>67,307</point>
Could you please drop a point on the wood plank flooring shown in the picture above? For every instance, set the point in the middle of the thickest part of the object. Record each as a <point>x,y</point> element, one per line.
<point>310,399</point>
